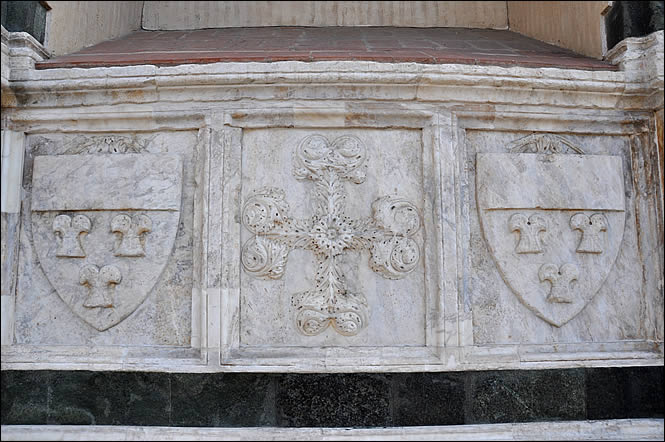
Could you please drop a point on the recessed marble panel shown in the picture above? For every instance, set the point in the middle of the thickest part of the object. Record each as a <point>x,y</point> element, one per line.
<point>553,239</point>
<point>332,238</point>
<point>106,250</point>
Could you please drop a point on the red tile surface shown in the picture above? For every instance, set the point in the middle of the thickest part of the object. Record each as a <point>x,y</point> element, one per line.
<point>382,44</point>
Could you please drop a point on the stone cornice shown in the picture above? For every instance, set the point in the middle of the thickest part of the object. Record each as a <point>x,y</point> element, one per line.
<point>20,51</point>
<point>641,58</point>
<point>638,86</point>
<point>354,80</point>
<point>22,43</point>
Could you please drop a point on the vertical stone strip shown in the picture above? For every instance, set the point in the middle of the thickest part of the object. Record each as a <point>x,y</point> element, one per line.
<point>201,233</point>
<point>452,326</point>
<point>223,279</point>
<point>13,149</point>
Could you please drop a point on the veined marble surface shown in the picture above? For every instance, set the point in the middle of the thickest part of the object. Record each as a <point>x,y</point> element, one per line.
<point>509,296</point>
<point>74,179</point>
<point>562,269</point>
<point>395,308</point>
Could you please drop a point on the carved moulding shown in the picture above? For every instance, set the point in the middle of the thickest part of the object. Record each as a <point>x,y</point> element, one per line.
<point>329,233</point>
<point>129,228</point>
<point>553,218</point>
<point>96,144</point>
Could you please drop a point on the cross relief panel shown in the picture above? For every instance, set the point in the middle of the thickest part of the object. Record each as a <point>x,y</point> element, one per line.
<point>329,234</point>
<point>332,238</point>
<point>338,250</point>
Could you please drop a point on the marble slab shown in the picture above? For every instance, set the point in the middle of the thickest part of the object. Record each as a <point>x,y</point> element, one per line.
<point>553,239</point>
<point>614,429</point>
<point>550,181</point>
<point>107,182</point>
<point>334,185</point>
<point>106,256</point>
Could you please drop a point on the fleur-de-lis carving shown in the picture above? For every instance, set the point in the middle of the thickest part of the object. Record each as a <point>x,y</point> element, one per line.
<point>560,278</point>
<point>591,241</point>
<point>131,231</point>
<point>101,284</point>
<point>529,230</point>
<point>68,230</point>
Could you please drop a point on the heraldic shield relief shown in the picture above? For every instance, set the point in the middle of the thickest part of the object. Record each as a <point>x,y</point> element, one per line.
<point>553,218</point>
<point>104,227</point>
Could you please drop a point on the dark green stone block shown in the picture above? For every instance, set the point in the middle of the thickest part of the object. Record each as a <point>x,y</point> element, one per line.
<point>428,398</point>
<point>25,16</point>
<point>618,393</point>
<point>108,398</point>
<point>526,396</point>
<point>632,19</point>
<point>24,397</point>
<point>334,400</point>
<point>646,392</point>
<point>222,400</point>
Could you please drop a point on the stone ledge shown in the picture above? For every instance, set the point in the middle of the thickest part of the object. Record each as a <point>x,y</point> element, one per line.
<point>363,80</point>
<point>622,429</point>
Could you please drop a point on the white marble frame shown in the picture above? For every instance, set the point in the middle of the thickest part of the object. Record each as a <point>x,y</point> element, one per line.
<point>440,262</point>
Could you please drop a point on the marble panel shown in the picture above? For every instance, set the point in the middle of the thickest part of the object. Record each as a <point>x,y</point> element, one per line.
<point>553,239</point>
<point>106,254</point>
<point>332,238</point>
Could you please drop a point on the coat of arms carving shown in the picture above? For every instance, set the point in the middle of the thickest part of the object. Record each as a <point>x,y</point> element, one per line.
<point>104,227</point>
<point>553,218</point>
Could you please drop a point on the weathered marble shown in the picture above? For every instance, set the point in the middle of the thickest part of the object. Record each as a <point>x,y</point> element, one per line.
<point>13,150</point>
<point>550,181</point>
<point>393,311</point>
<point>631,429</point>
<point>126,287</point>
<point>106,182</point>
<point>552,268</point>
<point>513,291</point>
<point>107,229</point>
<point>538,195</point>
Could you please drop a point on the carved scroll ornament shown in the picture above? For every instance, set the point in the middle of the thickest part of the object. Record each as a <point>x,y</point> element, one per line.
<point>329,233</point>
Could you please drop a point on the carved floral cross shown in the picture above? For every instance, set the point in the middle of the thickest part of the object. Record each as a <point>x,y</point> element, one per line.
<point>329,233</point>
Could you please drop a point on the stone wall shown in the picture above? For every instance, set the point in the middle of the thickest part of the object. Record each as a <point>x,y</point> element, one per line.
<point>74,25</point>
<point>574,25</point>
<point>209,14</point>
